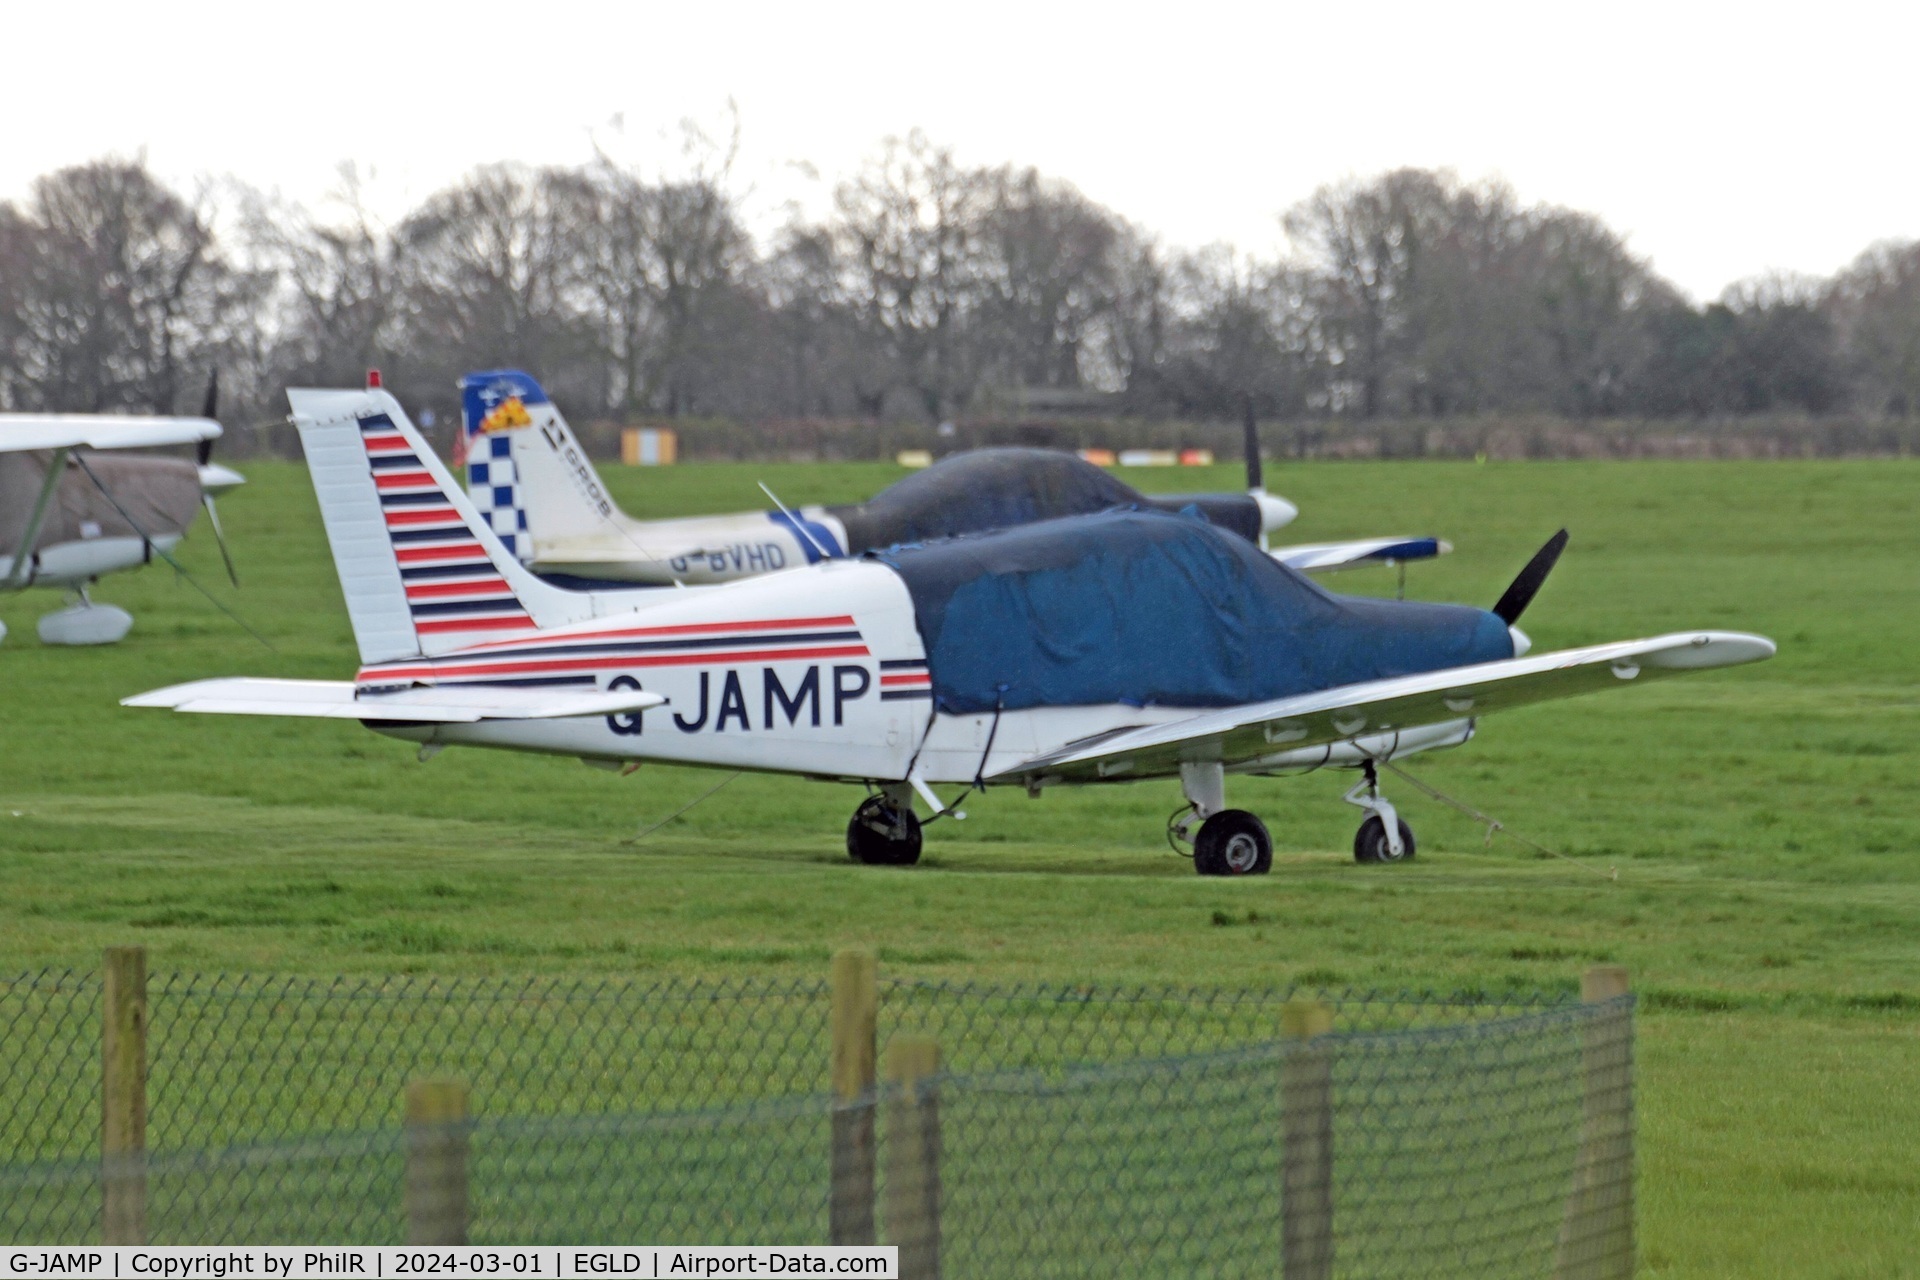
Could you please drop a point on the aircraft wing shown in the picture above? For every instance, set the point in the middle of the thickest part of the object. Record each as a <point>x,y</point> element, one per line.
<point>339,700</point>
<point>1238,734</point>
<point>99,431</point>
<point>1330,557</point>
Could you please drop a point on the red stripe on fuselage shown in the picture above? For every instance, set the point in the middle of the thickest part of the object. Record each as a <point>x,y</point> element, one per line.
<point>617,662</point>
<point>684,629</point>
<point>888,682</point>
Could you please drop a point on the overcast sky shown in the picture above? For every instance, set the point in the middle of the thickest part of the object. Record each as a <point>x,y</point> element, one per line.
<point>1723,140</point>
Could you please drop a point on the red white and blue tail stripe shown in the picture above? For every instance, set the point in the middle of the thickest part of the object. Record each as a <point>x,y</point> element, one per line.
<point>421,571</point>
<point>452,585</point>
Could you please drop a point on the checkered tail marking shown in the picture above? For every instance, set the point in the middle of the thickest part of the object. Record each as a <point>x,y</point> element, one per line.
<point>493,486</point>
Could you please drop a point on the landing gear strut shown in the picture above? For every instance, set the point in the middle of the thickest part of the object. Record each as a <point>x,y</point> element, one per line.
<point>884,831</point>
<point>1383,837</point>
<point>1229,842</point>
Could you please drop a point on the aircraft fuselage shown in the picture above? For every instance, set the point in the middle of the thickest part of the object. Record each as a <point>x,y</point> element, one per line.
<point>819,671</point>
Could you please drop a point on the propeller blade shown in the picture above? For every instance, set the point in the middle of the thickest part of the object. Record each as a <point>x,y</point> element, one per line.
<point>209,408</point>
<point>1251,442</point>
<point>1518,596</point>
<point>220,537</point>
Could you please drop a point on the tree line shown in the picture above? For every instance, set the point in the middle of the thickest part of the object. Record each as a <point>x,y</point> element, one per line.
<point>932,290</point>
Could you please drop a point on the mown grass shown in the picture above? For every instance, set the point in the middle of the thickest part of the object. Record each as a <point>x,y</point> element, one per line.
<point>1761,823</point>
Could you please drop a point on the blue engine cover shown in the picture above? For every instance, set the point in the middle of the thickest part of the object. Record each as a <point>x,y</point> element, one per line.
<point>1146,608</point>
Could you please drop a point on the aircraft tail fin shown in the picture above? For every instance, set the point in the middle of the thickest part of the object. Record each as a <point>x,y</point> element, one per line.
<point>423,572</point>
<point>526,471</point>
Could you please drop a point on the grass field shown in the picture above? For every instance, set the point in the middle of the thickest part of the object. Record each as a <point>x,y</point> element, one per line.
<point>1762,823</point>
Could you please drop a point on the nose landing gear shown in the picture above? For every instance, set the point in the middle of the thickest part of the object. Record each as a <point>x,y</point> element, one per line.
<point>1383,837</point>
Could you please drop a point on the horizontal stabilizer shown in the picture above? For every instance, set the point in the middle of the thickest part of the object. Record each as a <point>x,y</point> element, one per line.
<point>340,700</point>
<point>1331,557</point>
<point>1237,735</point>
<point>99,431</point>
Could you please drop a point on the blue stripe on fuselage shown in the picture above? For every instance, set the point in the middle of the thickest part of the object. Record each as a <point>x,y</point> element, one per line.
<point>808,533</point>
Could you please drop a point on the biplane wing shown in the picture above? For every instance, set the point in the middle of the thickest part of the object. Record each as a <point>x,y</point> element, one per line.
<point>21,431</point>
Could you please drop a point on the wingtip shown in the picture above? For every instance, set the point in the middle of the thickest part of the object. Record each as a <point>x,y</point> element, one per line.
<point>1701,650</point>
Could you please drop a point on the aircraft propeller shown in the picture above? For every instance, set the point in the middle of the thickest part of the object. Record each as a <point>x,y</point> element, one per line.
<point>1274,512</point>
<point>1514,601</point>
<point>1250,439</point>
<point>214,478</point>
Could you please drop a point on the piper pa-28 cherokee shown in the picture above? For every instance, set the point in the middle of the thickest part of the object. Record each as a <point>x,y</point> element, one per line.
<point>1114,647</point>
<point>529,478</point>
<point>69,514</point>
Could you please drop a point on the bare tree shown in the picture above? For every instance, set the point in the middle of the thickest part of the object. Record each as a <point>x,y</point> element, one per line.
<point>932,287</point>
<point>1363,243</point>
<point>338,284</point>
<point>667,261</point>
<point>1589,293</point>
<point>908,229</point>
<point>1786,349</point>
<point>486,267</point>
<point>104,307</point>
<point>1875,306</point>
<point>824,360</point>
<point>1047,277</point>
<point>16,263</point>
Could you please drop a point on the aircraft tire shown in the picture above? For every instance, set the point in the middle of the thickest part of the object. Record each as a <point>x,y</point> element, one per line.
<point>1232,843</point>
<point>1370,843</point>
<point>871,839</point>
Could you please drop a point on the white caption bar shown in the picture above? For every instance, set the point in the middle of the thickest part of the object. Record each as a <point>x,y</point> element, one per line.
<point>448,1262</point>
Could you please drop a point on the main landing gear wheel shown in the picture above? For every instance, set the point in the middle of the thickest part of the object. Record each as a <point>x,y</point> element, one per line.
<point>883,833</point>
<point>1370,844</point>
<point>1232,843</point>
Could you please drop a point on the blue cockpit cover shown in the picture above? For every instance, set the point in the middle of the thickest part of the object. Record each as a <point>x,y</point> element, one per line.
<point>1146,608</point>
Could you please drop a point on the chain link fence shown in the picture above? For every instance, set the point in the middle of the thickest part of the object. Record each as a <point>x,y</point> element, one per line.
<point>1058,1132</point>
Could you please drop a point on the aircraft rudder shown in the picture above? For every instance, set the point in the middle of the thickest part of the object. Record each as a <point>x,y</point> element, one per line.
<point>422,570</point>
<point>497,407</point>
<point>526,471</point>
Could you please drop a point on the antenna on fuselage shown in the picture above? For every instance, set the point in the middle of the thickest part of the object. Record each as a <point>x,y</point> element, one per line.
<point>1256,477</point>
<point>794,520</point>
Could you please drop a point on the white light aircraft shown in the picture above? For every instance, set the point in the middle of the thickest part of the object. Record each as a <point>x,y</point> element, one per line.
<point>529,477</point>
<point>1116,647</point>
<point>74,508</point>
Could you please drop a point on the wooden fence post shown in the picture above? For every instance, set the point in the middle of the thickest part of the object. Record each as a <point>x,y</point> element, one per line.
<point>1596,1230</point>
<point>436,1162</point>
<point>1306,1152</point>
<point>123,1098</point>
<point>913,1156</point>
<point>856,1008</point>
